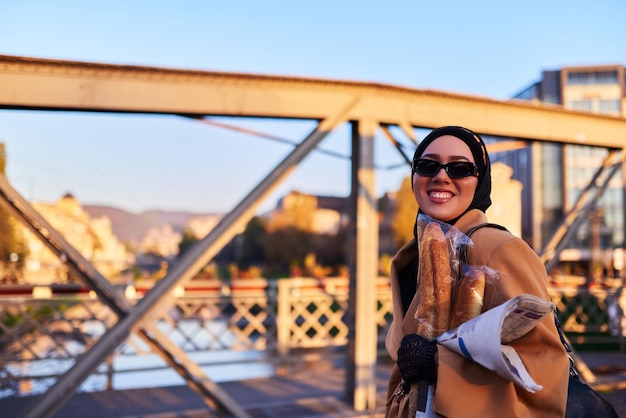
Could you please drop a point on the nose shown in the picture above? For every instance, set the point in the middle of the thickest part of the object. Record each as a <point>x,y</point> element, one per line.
<point>441,174</point>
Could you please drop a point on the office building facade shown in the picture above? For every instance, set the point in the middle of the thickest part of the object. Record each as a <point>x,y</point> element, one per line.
<point>558,174</point>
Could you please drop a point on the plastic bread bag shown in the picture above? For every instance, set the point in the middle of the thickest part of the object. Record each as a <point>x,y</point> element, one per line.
<point>438,270</point>
<point>473,292</point>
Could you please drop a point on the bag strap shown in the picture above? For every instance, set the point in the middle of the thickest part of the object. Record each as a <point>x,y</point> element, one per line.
<point>463,248</point>
<point>463,257</point>
<point>489,224</point>
<point>572,367</point>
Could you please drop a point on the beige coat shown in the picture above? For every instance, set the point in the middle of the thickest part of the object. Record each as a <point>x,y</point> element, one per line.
<point>464,388</point>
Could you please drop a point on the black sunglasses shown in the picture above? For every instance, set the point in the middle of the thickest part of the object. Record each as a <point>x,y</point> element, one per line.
<point>455,170</point>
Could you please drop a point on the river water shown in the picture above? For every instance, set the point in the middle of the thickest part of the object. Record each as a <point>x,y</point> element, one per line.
<point>133,371</point>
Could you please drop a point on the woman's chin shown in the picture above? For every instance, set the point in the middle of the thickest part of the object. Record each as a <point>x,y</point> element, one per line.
<point>439,214</point>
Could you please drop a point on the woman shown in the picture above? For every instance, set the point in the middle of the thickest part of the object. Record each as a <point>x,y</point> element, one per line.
<point>452,183</point>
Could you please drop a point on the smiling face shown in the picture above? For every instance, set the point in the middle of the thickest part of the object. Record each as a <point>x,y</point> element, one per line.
<point>441,197</point>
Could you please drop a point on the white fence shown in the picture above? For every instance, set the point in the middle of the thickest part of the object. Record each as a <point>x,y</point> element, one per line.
<point>251,324</point>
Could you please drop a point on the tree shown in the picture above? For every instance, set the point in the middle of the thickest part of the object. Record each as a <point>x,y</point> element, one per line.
<point>285,247</point>
<point>187,241</point>
<point>254,242</point>
<point>13,248</point>
<point>331,250</point>
<point>405,213</point>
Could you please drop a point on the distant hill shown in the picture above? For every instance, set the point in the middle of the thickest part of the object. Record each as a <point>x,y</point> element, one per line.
<point>128,226</point>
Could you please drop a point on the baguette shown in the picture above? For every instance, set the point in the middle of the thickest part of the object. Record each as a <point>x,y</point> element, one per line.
<point>469,298</point>
<point>435,286</point>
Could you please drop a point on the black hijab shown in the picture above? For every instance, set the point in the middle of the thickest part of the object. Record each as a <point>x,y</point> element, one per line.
<point>482,196</point>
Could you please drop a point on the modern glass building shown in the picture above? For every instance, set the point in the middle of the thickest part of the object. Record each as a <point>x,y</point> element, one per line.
<point>561,174</point>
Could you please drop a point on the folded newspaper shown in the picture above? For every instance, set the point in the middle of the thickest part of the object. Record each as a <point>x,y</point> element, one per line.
<point>485,338</point>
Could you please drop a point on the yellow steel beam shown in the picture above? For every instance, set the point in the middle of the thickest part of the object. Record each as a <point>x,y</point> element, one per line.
<point>66,85</point>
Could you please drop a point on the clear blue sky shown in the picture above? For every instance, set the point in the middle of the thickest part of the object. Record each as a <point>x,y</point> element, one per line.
<point>485,48</point>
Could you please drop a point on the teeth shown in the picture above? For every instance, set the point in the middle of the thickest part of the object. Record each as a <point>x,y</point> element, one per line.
<point>441,195</point>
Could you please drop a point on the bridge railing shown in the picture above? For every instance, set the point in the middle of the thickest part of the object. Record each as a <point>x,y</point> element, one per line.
<point>43,330</point>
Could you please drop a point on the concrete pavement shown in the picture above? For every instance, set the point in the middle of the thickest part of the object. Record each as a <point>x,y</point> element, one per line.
<point>306,394</point>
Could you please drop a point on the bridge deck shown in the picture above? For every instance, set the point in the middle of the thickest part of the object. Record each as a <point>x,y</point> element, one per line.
<point>309,393</point>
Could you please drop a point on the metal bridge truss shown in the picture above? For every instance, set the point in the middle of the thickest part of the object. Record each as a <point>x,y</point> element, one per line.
<point>38,84</point>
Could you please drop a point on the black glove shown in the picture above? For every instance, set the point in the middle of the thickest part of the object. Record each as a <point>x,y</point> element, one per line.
<point>417,359</point>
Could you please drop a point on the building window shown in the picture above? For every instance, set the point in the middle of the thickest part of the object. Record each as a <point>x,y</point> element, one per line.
<point>608,106</point>
<point>592,77</point>
<point>580,105</point>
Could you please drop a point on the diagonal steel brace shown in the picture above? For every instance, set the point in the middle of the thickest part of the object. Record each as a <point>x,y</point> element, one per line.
<point>139,318</point>
<point>160,343</point>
